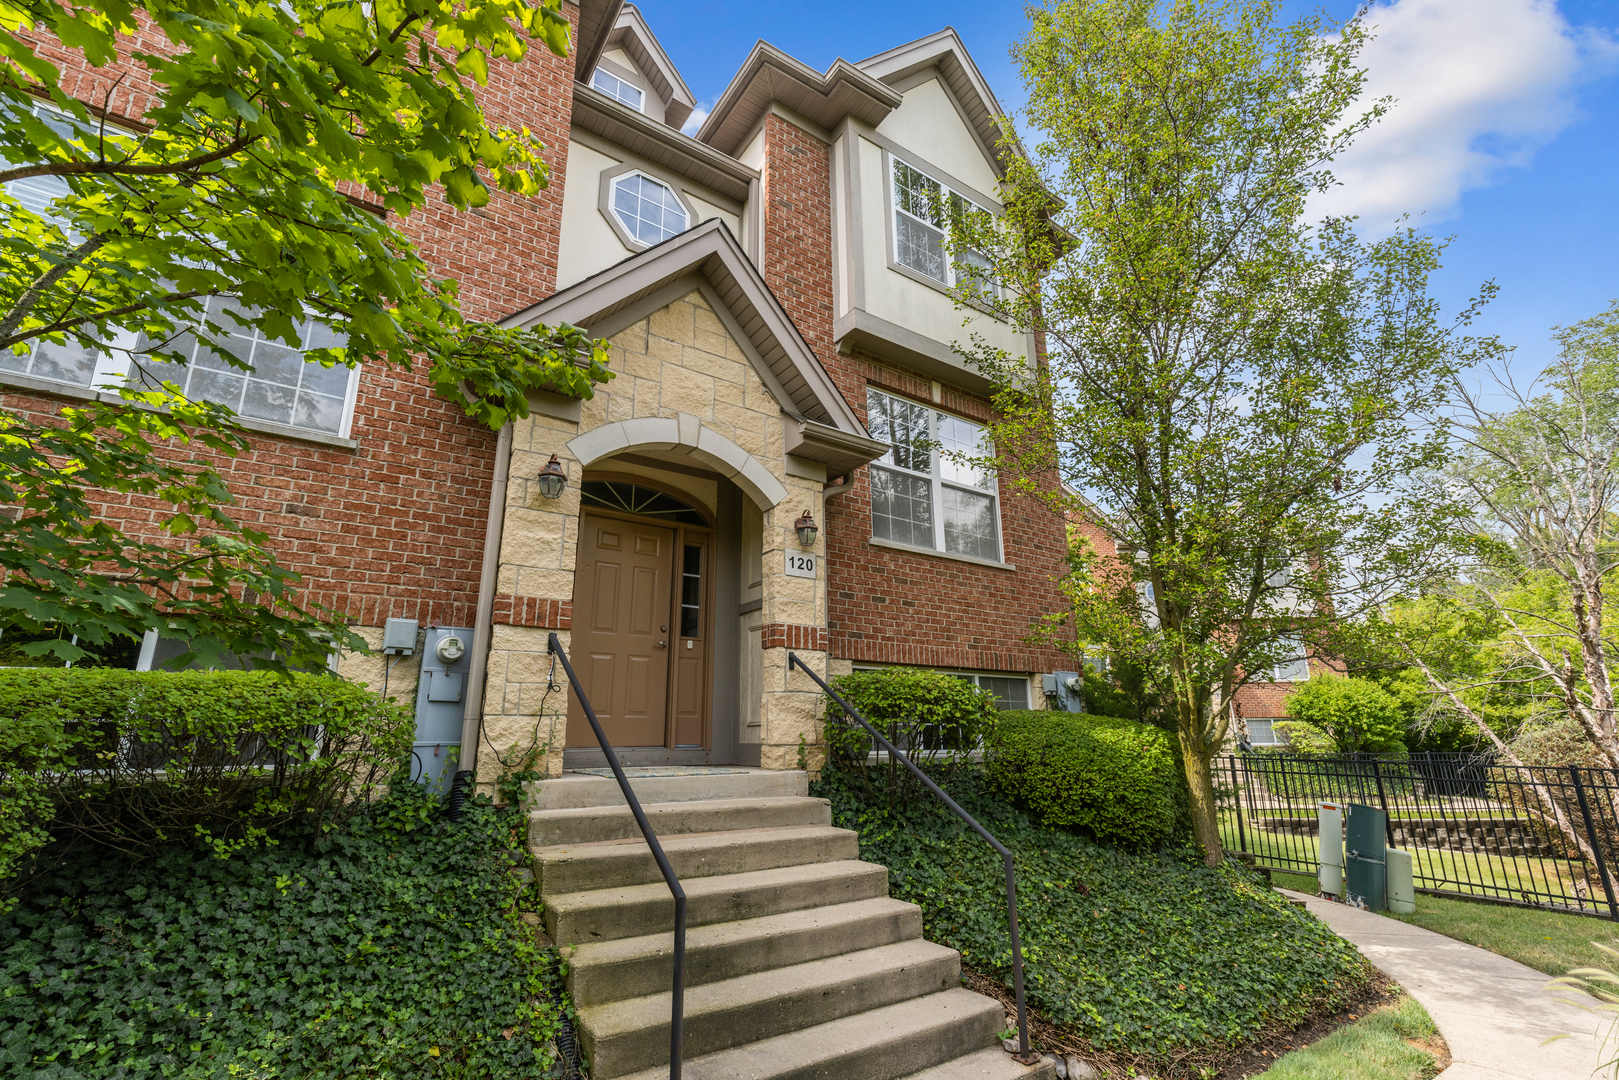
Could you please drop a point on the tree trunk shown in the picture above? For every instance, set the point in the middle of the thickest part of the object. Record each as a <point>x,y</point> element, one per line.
<point>1205,816</point>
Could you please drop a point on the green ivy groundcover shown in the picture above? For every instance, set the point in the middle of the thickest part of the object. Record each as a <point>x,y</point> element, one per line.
<point>1148,952</point>
<point>389,947</point>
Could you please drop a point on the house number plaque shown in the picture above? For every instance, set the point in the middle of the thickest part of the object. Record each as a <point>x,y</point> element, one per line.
<point>801,564</point>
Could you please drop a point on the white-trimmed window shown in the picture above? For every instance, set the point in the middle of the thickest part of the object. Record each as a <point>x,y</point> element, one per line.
<point>282,388</point>
<point>649,209</point>
<point>1011,691</point>
<point>1262,731</point>
<point>921,241</point>
<point>919,495</point>
<point>1294,666</point>
<point>619,90</point>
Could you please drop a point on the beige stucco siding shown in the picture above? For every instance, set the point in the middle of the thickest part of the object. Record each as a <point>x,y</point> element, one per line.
<point>927,121</point>
<point>589,244</point>
<point>895,296</point>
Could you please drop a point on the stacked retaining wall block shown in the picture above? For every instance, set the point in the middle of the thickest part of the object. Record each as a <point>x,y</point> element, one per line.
<point>1488,836</point>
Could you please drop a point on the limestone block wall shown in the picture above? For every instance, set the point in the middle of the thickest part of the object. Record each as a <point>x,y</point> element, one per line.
<point>682,386</point>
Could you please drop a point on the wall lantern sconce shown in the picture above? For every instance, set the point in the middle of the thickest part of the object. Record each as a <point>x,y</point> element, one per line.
<point>806,529</point>
<point>553,478</point>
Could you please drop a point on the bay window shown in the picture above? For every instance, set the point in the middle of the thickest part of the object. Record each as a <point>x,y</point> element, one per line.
<point>920,494</point>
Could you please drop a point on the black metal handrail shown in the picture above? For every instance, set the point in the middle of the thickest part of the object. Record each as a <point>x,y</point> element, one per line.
<point>1024,1054</point>
<point>677,1005</point>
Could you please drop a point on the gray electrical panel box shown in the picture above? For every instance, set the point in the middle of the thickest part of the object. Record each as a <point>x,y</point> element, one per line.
<point>441,696</point>
<point>1065,691</point>
<point>399,637</point>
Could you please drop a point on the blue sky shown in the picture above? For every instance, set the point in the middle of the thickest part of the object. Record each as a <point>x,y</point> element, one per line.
<point>1506,134</point>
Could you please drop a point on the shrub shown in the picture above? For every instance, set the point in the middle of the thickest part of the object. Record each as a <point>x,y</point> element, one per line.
<point>135,760</point>
<point>1357,715</point>
<point>937,720</point>
<point>389,947</point>
<point>1114,778</point>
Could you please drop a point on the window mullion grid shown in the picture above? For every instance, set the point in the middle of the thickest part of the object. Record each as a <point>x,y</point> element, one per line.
<point>935,480</point>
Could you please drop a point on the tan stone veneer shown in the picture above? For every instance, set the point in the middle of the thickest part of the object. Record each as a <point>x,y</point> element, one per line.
<point>680,369</point>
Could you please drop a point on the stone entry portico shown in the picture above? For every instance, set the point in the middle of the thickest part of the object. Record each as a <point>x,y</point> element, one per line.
<point>696,410</point>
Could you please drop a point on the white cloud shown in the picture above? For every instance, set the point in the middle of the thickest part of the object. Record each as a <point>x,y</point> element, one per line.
<point>695,120</point>
<point>1479,86</point>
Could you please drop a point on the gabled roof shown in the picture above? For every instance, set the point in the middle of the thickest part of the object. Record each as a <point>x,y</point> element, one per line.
<point>656,141</point>
<point>822,427</point>
<point>945,51</point>
<point>596,20</point>
<point>769,75</point>
<point>631,33</point>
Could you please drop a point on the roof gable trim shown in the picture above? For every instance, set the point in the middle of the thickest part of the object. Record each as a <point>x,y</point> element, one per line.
<point>738,294</point>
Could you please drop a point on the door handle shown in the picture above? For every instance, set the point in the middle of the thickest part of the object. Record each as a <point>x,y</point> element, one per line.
<point>663,644</point>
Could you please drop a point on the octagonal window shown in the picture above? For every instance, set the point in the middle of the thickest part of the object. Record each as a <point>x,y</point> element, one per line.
<point>648,209</point>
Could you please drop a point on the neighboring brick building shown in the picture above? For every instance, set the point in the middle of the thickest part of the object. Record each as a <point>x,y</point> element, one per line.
<point>781,308</point>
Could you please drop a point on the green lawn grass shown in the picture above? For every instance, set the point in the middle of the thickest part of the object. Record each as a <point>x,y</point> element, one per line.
<point>1544,940</point>
<point>1375,1047</point>
<point>1504,876</point>
<point>1547,941</point>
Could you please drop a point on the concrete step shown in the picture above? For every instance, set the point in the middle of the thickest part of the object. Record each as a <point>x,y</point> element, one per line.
<point>883,1044</point>
<point>614,970</point>
<point>625,1036</point>
<point>636,910</point>
<point>573,790</point>
<point>992,1064</point>
<point>593,824</point>
<point>575,867</point>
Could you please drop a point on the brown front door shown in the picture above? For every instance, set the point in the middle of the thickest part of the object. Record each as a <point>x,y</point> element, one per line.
<point>621,616</point>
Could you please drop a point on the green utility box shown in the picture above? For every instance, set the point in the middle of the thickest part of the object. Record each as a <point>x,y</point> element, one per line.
<point>1366,857</point>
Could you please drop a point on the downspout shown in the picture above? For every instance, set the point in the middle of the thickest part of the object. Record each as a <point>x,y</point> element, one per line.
<point>483,621</point>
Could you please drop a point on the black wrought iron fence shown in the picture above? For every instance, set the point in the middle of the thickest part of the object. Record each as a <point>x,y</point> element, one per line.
<point>1475,826</point>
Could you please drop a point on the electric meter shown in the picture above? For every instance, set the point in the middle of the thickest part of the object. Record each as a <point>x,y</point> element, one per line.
<point>450,649</point>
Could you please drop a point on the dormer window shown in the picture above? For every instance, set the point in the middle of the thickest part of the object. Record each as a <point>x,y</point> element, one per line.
<point>619,90</point>
<point>649,209</point>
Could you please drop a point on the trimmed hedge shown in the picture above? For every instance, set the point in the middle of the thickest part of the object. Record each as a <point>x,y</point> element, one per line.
<point>1114,778</point>
<point>137,760</point>
<point>938,720</point>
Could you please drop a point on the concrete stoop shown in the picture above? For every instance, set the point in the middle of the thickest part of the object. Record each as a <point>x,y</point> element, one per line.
<point>799,966</point>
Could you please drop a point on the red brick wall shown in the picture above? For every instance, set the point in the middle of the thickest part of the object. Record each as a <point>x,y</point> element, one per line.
<point>887,606</point>
<point>795,189</point>
<point>394,528</point>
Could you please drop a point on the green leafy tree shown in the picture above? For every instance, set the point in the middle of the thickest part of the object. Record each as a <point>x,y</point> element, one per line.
<point>1542,478</point>
<point>1238,396</point>
<point>1355,715</point>
<point>248,194</point>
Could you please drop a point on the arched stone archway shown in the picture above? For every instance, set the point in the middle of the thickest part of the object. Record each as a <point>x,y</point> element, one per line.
<point>683,433</point>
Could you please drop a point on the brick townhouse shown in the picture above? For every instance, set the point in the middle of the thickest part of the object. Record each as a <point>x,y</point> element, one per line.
<point>780,305</point>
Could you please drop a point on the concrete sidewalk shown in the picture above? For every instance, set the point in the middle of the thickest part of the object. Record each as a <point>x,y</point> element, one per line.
<point>1492,1011</point>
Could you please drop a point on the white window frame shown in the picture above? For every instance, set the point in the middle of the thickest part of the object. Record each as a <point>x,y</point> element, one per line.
<point>1276,738</point>
<point>977,677</point>
<point>629,232</point>
<point>615,89</point>
<point>938,483</point>
<point>952,279</point>
<point>1294,669</point>
<point>113,367</point>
